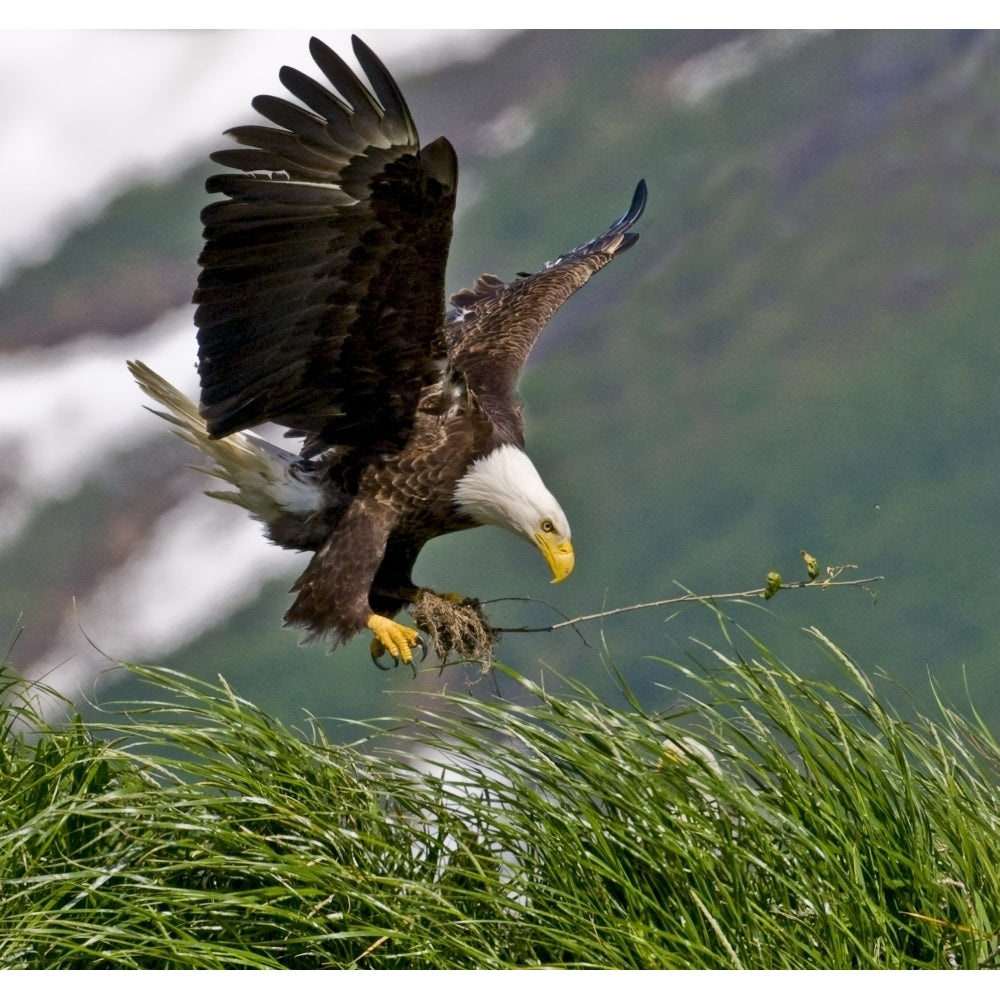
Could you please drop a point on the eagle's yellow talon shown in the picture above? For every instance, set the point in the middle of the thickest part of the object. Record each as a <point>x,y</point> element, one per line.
<point>392,638</point>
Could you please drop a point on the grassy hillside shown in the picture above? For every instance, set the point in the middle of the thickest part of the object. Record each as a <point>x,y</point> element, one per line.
<point>770,822</point>
<point>800,352</point>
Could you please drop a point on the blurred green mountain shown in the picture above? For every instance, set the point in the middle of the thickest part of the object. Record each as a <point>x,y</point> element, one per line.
<point>800,352</point>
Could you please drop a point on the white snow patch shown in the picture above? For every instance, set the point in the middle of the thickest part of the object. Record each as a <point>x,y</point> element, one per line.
<point>203,561</point>
<point>200,563</point>
<point>67,410</point>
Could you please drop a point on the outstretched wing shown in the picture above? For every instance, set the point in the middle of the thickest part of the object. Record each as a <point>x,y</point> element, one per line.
<point>321,294</point>
<point>494,325</point>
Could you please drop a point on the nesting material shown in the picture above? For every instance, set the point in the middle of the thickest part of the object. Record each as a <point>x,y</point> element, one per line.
<point>456,629</point>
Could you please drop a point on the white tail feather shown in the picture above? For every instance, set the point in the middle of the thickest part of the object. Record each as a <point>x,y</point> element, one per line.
<point>269,481</point>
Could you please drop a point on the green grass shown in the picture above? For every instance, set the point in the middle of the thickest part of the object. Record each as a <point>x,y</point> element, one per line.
<point>773,822</point>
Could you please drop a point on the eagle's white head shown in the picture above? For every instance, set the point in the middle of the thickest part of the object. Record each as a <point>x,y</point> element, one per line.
<point>505,489</point>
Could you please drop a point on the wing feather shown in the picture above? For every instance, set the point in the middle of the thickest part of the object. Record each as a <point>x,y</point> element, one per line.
<point>494,325</point>
<point>320,300</point>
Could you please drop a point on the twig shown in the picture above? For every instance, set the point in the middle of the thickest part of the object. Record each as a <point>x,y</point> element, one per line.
<point>692,598</point>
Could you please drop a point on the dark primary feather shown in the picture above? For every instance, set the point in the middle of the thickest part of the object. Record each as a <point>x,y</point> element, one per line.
<point>320,301</point>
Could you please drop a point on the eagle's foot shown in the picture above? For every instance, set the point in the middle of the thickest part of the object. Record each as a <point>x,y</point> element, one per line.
<point>395,639</point>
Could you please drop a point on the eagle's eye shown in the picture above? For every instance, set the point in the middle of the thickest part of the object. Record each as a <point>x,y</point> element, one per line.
<point>548,526</point>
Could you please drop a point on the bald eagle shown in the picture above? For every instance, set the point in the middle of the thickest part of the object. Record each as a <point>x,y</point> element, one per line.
<point>321,308</point>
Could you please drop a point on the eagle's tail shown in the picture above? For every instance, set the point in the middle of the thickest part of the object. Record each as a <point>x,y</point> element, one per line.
<point>271,483</point>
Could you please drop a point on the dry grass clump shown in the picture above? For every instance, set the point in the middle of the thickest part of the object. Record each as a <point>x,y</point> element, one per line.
<point>456,629</point>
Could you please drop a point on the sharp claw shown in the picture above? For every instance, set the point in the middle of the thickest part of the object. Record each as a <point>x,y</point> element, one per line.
<point>377,660</point>
<point>377,657</point>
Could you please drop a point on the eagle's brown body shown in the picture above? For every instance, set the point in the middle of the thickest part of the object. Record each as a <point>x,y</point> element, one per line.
<point>321,307</point>
<point>401,502</point>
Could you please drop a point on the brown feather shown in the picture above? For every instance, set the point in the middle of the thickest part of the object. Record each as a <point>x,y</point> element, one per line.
<point>495,324</point>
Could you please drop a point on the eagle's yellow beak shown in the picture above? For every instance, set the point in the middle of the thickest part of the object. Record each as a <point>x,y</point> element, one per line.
<point>559,555</point>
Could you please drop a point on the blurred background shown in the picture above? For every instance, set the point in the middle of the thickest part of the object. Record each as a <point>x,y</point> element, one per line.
<point>801,352</point>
